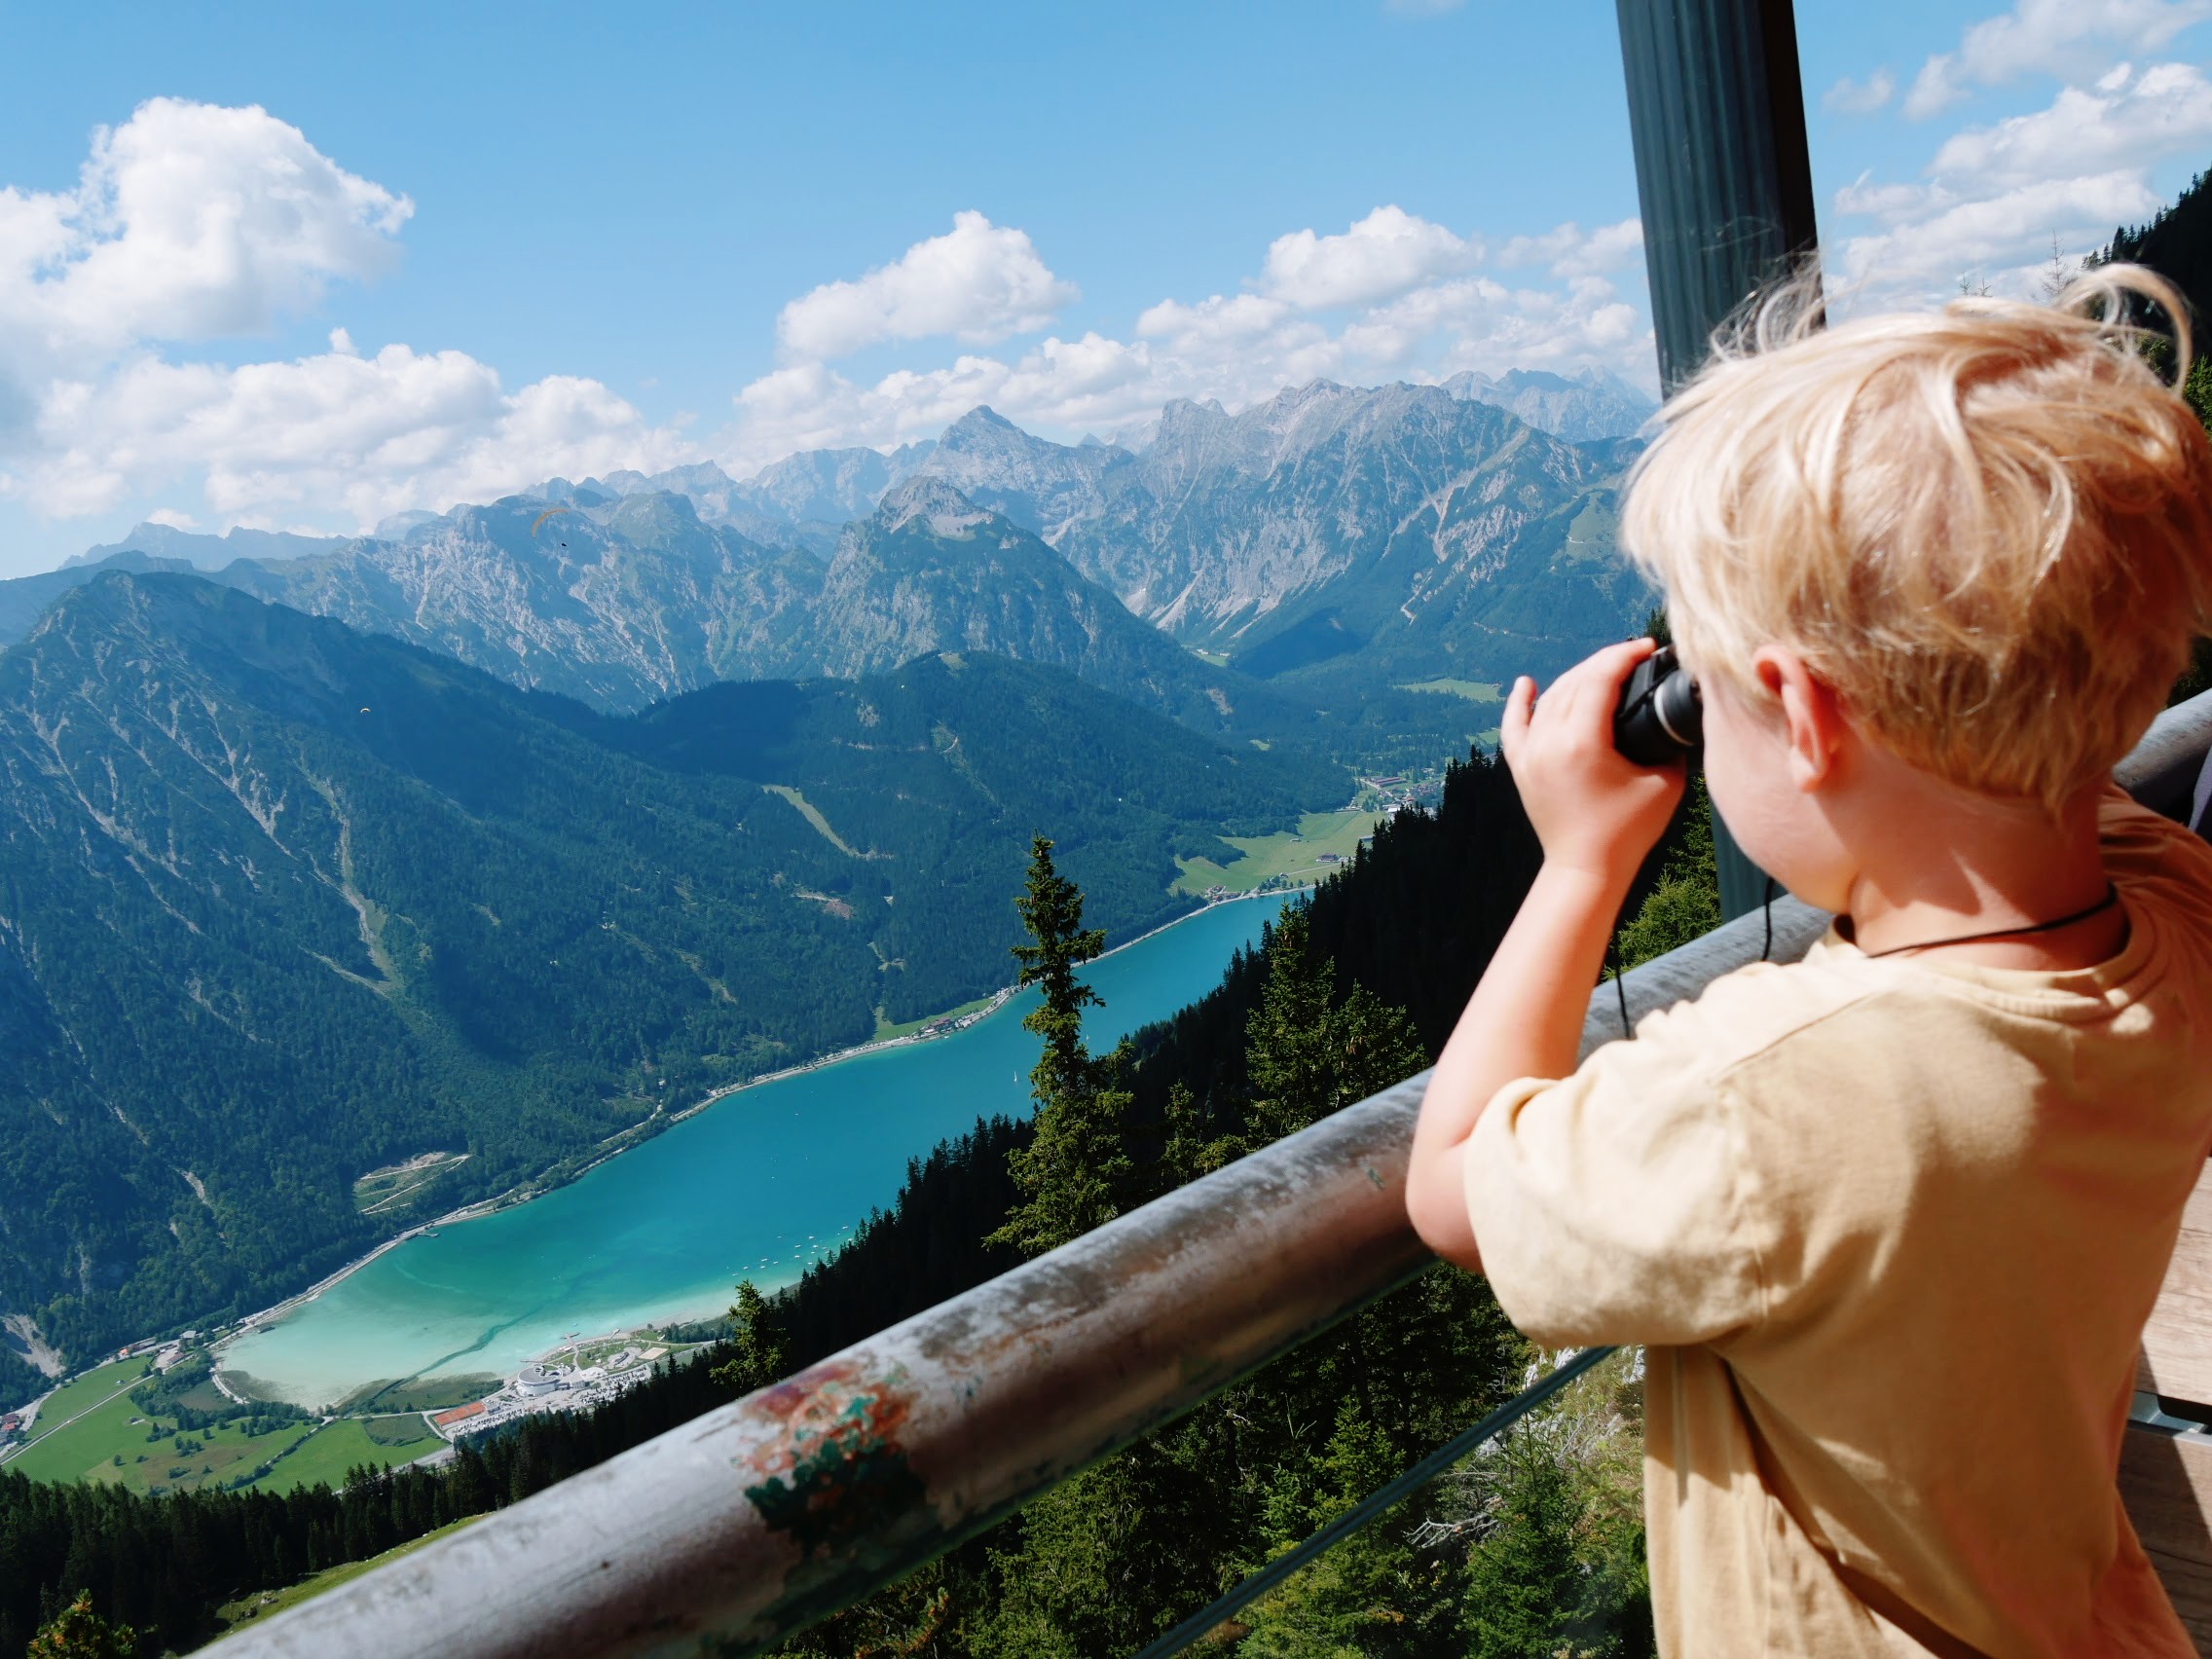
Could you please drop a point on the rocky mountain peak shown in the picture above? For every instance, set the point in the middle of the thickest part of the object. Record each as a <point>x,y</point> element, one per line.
<point>1040,485</point>
<point>946,510</point>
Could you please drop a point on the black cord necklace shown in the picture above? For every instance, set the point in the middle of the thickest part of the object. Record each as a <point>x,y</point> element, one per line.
<point>2111,898</point>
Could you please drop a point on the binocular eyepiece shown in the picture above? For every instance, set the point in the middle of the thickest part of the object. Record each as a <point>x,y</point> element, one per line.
<point>1660,717</point>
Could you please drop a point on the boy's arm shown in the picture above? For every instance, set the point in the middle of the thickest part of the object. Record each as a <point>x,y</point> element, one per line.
<point>1596,815</point>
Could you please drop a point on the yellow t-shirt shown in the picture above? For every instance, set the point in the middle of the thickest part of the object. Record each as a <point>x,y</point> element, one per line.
<point>1891,1229</point>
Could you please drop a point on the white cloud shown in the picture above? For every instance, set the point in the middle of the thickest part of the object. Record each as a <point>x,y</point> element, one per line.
<point>1386,253</point>
<point>1995,198</point>
<point>2004,238</point>
<point>2063,38</point>
<point>979,282</point>
<point>1237,317</point>
<point>2128,121</point>
<point>193,223</point>
<point>188,222</point>
<point>1856,97</point>
<point>1572,252</point>
<point>199,224</point>
<point>335,434</point>
<point>1934,89</point>
<point>1240,349</point>
<point>173,519</point>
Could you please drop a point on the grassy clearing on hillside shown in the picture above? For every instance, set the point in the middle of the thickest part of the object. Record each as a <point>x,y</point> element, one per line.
<point>232,1614</point>
<point>885,1029</point>
<point>1295,855</point>
<point>118,1443</point>
<point>1474,690</point>
<point>1593,537</point>
<point>73,1398</point>
<point>400,1185</point>
<point>813,815</point>
<point>348,1444</point>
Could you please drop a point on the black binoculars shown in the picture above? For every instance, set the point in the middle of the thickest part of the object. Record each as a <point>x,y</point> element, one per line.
<point>1660,717</point>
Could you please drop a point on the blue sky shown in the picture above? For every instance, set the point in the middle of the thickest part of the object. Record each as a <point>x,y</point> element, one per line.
<point>560,239</point>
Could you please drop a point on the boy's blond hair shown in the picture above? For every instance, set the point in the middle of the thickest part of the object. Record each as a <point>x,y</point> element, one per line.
<point>1988,527</point>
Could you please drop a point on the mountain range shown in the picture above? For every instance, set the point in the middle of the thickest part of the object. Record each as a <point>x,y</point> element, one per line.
<point>281,902</point>
<point>1337,542</point>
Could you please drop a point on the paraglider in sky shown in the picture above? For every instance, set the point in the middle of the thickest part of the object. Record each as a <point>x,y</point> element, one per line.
<point>542,517</point>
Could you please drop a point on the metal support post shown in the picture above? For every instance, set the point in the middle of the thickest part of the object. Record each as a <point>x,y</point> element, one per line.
<point>1717,112</point>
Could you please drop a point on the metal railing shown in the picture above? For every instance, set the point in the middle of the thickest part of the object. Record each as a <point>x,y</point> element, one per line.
<point>770,1512</point>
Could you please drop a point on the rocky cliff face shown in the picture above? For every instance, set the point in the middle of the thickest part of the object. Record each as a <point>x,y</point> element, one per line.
<point>617,603</point>
<point>932,571</point>
<point>1431,535</point>
<point>1394,534</point>
<point>1041,486</point>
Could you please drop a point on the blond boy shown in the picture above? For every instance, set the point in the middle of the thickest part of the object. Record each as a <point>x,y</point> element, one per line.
<point>1889,1220</point>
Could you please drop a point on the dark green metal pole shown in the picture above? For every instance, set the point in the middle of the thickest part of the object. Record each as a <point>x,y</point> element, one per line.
<point>1717,112</point>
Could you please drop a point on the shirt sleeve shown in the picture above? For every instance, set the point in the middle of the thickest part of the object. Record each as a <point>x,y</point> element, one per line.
<point>1616,1206</point>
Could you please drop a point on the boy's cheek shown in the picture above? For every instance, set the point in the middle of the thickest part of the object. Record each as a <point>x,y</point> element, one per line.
<point>1782,831</point>
<point>1780,828</point>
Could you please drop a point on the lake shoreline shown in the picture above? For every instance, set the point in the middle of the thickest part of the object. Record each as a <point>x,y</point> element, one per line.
<point>527,1192</point>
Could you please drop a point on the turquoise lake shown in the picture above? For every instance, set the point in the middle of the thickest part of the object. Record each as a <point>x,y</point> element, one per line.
<point>754,1187</point>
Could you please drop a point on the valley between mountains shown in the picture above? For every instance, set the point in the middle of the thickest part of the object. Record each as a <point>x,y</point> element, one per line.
<point>509,829</point>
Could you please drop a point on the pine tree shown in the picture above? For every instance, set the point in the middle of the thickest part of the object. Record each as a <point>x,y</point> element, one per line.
<point>1524,1583</point>
<point>760,1355</point>
<point>1306,1059</point>
<point>1052,910</point>
<point>1183,1152</point>
<point>1074,1172</point>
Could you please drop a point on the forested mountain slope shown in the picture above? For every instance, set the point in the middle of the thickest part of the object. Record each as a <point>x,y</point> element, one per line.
<point>2176,244</point>
<point>1107,1562</point>
<point>280,903</point>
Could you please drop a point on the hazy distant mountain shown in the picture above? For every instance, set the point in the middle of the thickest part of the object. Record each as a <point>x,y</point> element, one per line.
<point>616,605</point>
<point>803,500</point>
<point>1415,533</point>
<point>832,486</point>
<point>286,903</point>
<point>209,552</point>
<point>1591,406</point>
<point>24,599</point>
<point>1041,486</point>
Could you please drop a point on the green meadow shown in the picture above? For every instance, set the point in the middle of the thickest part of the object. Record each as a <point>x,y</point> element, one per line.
<point>1292,855</point>
<point>97,1428</point>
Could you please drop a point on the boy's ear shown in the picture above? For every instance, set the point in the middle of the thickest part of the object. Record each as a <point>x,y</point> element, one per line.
<point>1812,714</point>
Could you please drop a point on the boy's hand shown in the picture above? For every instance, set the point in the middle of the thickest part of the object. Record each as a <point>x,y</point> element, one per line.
<point>1593,810</point>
